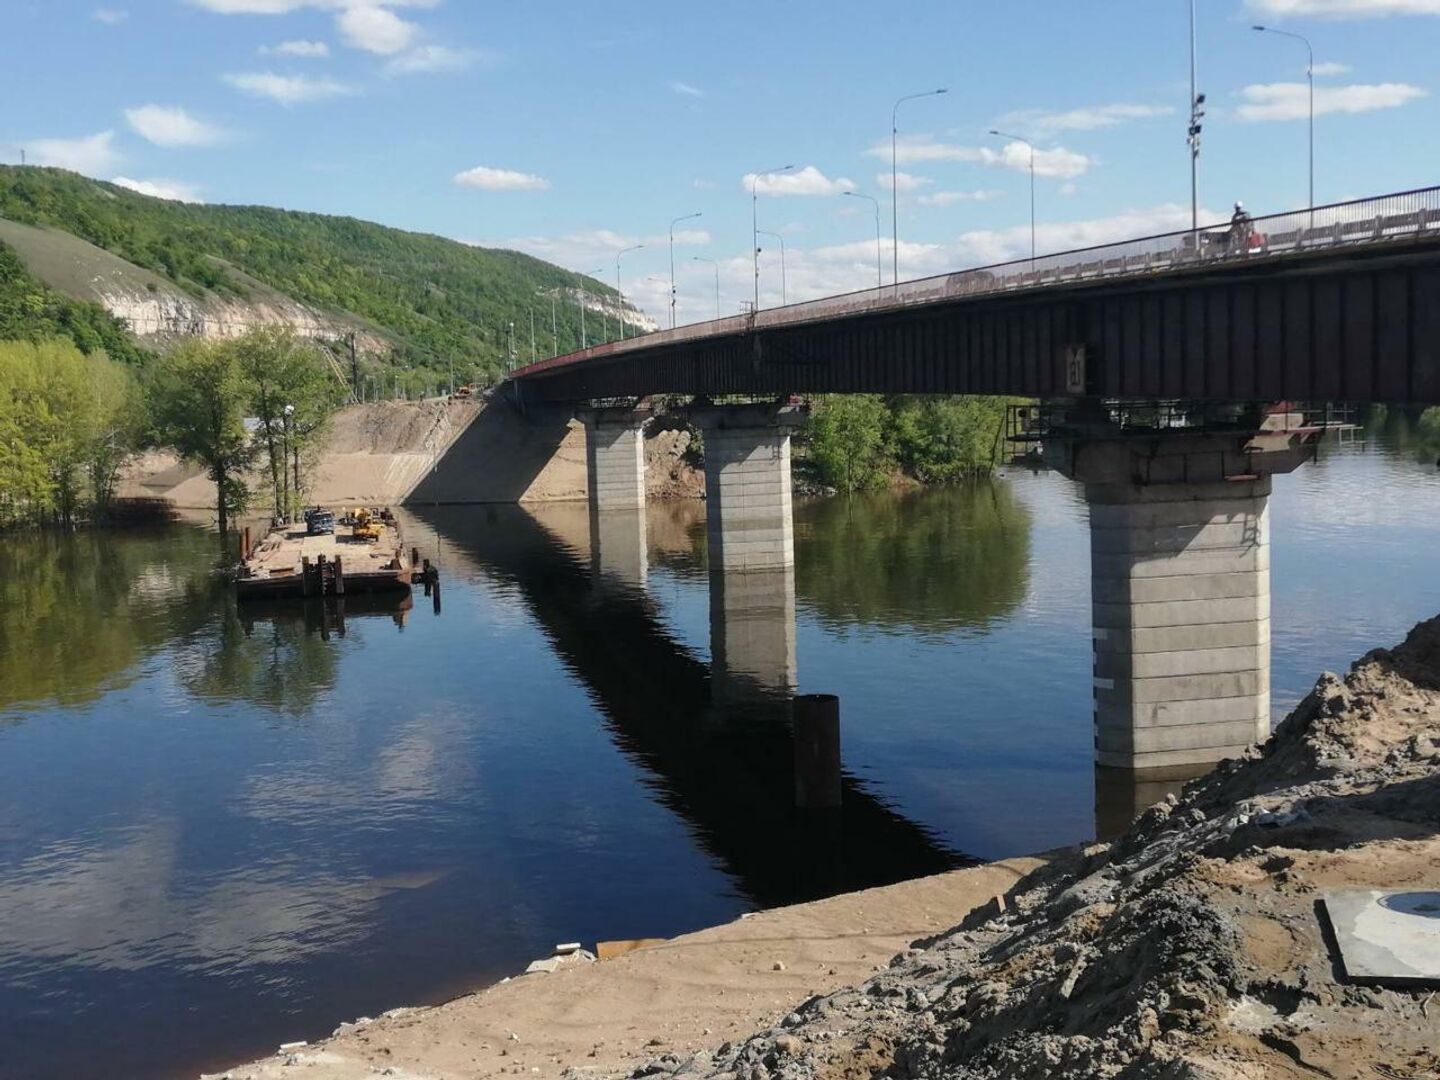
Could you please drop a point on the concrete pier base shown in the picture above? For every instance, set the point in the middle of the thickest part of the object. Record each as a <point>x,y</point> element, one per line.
<point>1180,610</point>
<point>1180,591</point>
<point>747,486</point>
<point>615,458</point>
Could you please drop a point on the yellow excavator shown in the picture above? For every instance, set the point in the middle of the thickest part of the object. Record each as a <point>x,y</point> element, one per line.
<point>364,526</point>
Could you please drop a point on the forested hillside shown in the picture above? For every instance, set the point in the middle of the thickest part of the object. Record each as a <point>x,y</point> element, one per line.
<point>436,300</point>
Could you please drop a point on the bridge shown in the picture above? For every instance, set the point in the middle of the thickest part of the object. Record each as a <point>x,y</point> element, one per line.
<point>1335,303</point>
<point>1173,376</point>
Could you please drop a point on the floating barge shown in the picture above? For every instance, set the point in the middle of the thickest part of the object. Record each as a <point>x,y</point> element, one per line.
<point>291,562</point>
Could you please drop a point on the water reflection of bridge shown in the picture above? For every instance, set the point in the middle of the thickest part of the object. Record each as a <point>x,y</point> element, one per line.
<point>714,738</point>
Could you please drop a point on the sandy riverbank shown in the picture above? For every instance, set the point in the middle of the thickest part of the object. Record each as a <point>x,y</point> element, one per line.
<point>677,997</point>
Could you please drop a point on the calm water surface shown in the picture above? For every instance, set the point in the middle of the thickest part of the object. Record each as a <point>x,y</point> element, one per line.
<point>220,831</point>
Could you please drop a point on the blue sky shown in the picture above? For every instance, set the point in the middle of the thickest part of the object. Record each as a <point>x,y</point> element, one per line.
<point>571,130</point>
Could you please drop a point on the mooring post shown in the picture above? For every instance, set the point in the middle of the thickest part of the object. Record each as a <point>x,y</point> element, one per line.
<point>435,589</point>
<point>817,751</point>
<point>339,577</point>
<point>425,576</point>
<point>414,557</point>
<point>305,582</point>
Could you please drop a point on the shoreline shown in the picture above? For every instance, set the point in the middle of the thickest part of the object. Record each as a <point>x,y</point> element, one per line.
<point>676,996</point>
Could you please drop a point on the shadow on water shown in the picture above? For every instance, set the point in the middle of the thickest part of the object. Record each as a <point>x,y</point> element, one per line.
<point>723,763</point>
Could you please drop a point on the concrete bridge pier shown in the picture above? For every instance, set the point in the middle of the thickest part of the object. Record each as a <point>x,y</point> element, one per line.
<point>748,519</point>
<point>614,458</point>
<point>1180,591</point>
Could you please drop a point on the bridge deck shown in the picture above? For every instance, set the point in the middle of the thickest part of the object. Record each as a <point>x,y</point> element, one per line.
<point>1157,309</point>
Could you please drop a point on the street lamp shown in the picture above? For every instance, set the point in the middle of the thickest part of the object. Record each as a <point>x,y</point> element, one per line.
<point>895,173</point>
<point>755,225</point>
<point>620,314</point>
<point>1197,113</point>
<point>676,221</point>
<point>289,412</point>
<point>1310,75</point>
<point>861,195</point>
<point>1028,143</point>
<point>716,266</point>
<point>604,318</point>
<point>784,292</point>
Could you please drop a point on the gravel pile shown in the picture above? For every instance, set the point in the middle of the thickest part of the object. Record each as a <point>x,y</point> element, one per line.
<point>1189,949</point>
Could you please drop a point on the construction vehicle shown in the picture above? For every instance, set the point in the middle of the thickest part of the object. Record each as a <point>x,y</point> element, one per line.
<point>364,525</point>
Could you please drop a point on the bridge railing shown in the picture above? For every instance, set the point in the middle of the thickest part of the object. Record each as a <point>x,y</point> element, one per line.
<point>1380,219</point>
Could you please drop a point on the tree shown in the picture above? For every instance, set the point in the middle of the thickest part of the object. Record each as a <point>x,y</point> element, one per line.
<point>940,440</point>
<point>292,394</point>
<point>67,422</point>
<point>847,435</point>
<point>198,397</point>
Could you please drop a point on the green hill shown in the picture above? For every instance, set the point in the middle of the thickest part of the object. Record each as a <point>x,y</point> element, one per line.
<point>422,301</point>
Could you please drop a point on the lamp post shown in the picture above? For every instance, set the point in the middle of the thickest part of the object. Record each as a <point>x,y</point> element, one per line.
<point>1197,113</point>
<point>288,412</point>
<point>676,221</point>
<point>1028,143</point>
<point>755,225</point>
<point>784,291</point>
<point>860,195</point>
<point>1310,76</point>
<point>895,174</point>
<point>580,303</point>
<point>620,315</point>
<point>716,267</point>
<point>604,319</point>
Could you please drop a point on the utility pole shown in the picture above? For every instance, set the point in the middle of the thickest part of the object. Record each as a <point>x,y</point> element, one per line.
<point>1197,113</point>
<point>354,366</point>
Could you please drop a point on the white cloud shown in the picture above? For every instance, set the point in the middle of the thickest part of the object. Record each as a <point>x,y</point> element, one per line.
<point>1344,9</point>
<point>1330,67</point>
<point>428,58</point>
<point>170,125</point>
<point>300,50</point>
<point>948,198</point>
<point>686,89</point>
<point>89,154</point>
<point>489,179</point>
<point>1041,122</point>
<point>109,16</point>
<point>175,190</point>
<point>287,89</point>
<point>702,185</point>
<point>903,181</point>
<point>1291,101</point>
<point>376,29</point>
<point>1054,162</point>
<point>806,181</point>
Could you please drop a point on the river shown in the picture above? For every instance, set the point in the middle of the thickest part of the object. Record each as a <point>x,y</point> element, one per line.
<point>221,830</point>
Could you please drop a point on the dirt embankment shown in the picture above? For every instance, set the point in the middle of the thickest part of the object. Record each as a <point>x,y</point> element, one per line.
<point>436,451</point>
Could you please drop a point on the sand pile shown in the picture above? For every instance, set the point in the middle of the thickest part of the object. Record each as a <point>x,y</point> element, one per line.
<point>1191,948</point>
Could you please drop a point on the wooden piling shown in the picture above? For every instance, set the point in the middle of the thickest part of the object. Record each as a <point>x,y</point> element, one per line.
<point>320,571</point>
<point>339,577</point>
<point>414,557</point>
<point>306,583</point>
<point>817,751</point>
<point>425,576</point>
<point>435,589</point>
